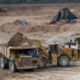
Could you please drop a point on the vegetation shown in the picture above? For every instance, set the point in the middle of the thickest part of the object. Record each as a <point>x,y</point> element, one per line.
<point>37,1</point>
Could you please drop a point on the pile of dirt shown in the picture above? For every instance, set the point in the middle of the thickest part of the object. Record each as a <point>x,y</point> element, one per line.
<point>16,40</point>
<point>11,39</point>
<point>18,22</point>
<point>61,38</point>
<point>45,33</point>
<point>17,26</point>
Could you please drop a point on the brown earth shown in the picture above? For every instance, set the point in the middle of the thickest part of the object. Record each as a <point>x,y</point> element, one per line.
<point>70,73</point>
<point>38,17</point>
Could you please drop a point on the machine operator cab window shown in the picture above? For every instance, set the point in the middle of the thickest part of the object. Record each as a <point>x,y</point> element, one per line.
<point>27,52</point>
<point>53,48</point>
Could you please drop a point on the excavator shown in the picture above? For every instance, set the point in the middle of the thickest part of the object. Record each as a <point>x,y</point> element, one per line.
<point>55,54</point>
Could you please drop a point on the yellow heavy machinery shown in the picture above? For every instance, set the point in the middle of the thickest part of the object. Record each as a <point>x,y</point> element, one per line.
<point>55,54</point>
<point>35,55</point>
<point>17,56</point>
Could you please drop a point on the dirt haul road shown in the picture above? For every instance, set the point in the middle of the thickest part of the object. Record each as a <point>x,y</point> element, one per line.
<point>50,73</point>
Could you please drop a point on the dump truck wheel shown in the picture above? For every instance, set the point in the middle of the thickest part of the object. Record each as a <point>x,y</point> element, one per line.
<point>12,66</point>
<point>63,61</point>
<point>42,63</point>
<point>2,63</point>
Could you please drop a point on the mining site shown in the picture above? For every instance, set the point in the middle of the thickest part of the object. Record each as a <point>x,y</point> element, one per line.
<point>37,26</point>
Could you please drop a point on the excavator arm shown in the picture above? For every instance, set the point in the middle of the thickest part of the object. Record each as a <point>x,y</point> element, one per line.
<point>38,44</point>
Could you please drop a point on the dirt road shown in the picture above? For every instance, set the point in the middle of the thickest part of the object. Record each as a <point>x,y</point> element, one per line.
<point>50,73</point>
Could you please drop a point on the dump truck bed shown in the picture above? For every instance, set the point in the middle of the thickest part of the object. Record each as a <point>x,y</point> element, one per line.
<point>5,50</point>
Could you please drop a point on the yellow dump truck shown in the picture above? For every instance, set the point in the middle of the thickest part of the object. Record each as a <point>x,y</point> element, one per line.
<point>17,56</point>
<point>21,57</point>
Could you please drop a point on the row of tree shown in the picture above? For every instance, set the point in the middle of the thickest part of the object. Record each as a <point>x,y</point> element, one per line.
<point>37,1</point>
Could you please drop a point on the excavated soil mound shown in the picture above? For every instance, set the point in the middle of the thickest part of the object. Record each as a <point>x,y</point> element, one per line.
<point>17,26</point>
<point>16,40</point>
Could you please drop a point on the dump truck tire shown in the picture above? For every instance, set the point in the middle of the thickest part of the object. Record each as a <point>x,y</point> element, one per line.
<point>2,63</point>
<point>42,63</point>
<point>12,66</point>
<point>63,61</point>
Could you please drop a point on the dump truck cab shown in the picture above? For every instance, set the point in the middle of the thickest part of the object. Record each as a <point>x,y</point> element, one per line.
<point>19,58</point>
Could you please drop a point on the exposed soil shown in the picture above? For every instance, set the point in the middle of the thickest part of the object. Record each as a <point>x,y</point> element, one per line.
<point>38,17</point>
<point>70,73</point>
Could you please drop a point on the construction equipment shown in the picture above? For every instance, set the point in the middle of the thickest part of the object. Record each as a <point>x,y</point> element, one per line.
<point>63,56</point>
<point>34,55</point>
<point>42,52</point>
<point>18,56</point>
<point>56,54</point>
<point>38,44</point>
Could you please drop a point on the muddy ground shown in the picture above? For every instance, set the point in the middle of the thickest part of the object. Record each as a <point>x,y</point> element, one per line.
<point>38,17</point>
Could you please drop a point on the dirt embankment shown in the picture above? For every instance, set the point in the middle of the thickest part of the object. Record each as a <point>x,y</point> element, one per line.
<point>17,26</point>
<point>44,32</point>
<point>37,16</point>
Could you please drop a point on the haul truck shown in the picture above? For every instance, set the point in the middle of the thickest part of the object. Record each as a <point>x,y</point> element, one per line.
<point>35,56</point>
<point>18,58</point>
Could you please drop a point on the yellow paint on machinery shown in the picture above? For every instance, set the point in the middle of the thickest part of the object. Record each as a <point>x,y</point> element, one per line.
<point>20,57</point>
<point>53,57</point>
